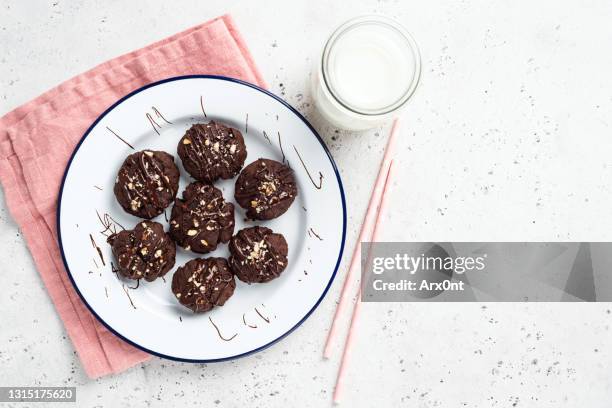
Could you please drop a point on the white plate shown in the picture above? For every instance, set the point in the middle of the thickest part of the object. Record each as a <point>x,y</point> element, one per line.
<point>314,226</point>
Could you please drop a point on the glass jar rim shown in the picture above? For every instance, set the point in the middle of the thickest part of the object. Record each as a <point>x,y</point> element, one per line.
<point>411,45</point>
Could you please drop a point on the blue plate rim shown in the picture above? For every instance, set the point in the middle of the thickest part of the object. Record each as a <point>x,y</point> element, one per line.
<point>295,112</point>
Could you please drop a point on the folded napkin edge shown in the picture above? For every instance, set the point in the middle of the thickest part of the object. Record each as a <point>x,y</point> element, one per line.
<point>20,201</point>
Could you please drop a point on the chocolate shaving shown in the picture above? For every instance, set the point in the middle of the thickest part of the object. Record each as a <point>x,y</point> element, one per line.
<point>128,295</point>
<point>308,172</point>
<point>246,125</point>
<point>181,318</point>
<point>120,138</point>
<point>219,331</point>
<point>93,243</point>
<point>246,324</point>
<point>106,291</point>
<point>262,316</point>
<point>159,115</point>
<point>202,106</point>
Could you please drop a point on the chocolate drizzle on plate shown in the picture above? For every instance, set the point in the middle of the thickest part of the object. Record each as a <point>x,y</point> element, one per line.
<point>109,224</point>
<point>312,231</point>
<point>135,287</point>
<point>265,135</point>
<point>280,145</point>
<point>159,115</point>
<point>128,295</point>
<point>219,331</point>
<point>252,326</point>
<point>98,250</point>
<point>153,123</point>
<point>156,126</point>
<point>202,106</point>
<point>318,187</point>
<point>120,138</point>
<point>265,319</point>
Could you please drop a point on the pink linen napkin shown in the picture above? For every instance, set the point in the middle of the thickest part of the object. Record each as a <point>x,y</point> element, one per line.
<point>37,139</point>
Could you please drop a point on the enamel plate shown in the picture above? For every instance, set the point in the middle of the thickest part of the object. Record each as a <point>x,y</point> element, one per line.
<point>148,316</point>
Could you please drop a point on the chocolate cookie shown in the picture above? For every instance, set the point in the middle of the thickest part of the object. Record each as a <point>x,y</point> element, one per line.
<point>266,189</point>
<point>202,219</point>
<point>203,283</point>
<point>144,252</point>
<point>258,254</point>
<point>210,151</point>
<point>147,183</point>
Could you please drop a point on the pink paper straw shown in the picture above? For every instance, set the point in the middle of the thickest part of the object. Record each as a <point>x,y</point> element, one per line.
<point>366,228</point>
<point>348,345</point>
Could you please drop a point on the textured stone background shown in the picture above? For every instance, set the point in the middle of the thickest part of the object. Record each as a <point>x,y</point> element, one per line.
<point>507,138</point>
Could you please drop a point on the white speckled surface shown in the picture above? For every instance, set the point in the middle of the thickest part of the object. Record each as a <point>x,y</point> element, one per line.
<point>508,138</point>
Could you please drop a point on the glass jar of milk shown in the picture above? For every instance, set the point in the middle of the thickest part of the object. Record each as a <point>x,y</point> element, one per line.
<point>369,68</point>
